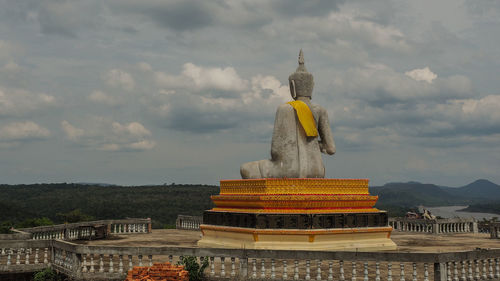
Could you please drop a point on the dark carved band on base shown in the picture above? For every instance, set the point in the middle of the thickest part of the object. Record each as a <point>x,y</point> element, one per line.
<point>295,221</point>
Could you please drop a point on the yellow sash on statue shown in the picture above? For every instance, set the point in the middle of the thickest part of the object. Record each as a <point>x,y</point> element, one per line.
<point>306,117</point>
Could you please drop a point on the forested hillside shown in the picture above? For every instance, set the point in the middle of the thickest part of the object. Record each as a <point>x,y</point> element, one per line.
<point>161,203</point>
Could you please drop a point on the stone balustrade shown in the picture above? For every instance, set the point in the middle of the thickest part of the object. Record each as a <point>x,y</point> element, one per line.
<point>24,255</point>
<point>82,262</point>
<point>495,230</point>
<point>87,230</point>
<point>188,222</point>
<point>437,226</point>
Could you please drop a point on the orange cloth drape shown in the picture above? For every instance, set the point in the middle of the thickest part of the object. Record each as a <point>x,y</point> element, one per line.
<point>306,117</point>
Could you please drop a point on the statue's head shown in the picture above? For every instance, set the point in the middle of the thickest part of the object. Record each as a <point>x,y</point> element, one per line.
<point>301,81</point>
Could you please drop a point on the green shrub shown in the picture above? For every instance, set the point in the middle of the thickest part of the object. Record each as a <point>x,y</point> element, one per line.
<point>193,267</point>
<point>48,275</point>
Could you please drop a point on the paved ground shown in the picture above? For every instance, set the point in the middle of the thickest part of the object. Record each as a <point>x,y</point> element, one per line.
<point>405,241</point>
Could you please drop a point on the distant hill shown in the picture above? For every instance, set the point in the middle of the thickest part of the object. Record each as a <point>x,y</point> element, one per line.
<point>480,194</point>
<point>479,189</point>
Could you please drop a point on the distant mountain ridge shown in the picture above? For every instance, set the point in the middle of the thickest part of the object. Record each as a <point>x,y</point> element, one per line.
<point>415,193</point>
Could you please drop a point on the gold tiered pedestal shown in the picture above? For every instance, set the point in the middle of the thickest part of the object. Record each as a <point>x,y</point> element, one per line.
<point>297,214</point>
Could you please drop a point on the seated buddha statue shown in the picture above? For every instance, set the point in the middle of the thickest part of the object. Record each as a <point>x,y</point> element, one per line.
<point>301,133</point>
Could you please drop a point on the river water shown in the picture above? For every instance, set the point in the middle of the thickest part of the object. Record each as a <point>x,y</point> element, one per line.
<point>452,212</point>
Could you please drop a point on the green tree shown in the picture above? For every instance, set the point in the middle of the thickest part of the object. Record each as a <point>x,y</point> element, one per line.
<point>193,267</point>
<point>5,227</point>
<point>74,216</point>
<point>34,222</point>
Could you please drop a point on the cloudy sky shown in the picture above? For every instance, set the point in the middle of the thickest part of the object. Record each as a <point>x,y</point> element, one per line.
<point>162,91</point>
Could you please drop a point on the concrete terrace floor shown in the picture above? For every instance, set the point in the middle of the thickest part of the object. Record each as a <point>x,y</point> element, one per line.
<point>407,242</point>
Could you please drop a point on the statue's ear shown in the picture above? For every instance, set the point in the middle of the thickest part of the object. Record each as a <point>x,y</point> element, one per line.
<point>292,89</point>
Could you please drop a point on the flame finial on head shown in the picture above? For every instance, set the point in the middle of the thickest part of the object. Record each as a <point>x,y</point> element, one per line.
<point>301,67</point>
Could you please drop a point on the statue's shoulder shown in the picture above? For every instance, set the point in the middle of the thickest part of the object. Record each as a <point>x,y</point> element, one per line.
<point>318,108</point>
<point>285,106</point>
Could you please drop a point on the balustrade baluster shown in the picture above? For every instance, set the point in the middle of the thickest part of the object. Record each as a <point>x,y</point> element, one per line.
<point>27,257</point>
<point>330,270</point>
<point>426,272</point>
<point>111,269</point>
<point>84,263</point>
<point>455,271</point>
<point>130,264</point>
<point>18,256</point>
<point>285,273</point>
<point>308,270</point>
<point>296,270</point>
<point>222,267</point>
<point>365,271</point>
<point>402,266</point>
<point>36,256</point>
<point>140,260</point>
<point>262,269</point>
<point>448,271</point>
<point>254,268</point>
<point>45,256</point>
<point>497,268</point>
<point>377,271</point>
<point>389,271</point>
<point>170,258</point>
<point>341,271</point>
<point>470,270</point>
<point>101,263</point>
<point>273,273</point>
<point>476,265</point>
<point>462,266</point>
<point>9,253</point>
<point>414,272</point>
<point>150,258</point>
<point>120,265</point>
<point>353,276</point>
<point>233,267</point>
<point>490,269</point>
<point>92,269</point>
<point>484,269</point>
<point>212,267</point>
<point>318,270</point>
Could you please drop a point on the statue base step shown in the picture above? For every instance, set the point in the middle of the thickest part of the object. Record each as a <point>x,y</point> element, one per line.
<point>332,239</point>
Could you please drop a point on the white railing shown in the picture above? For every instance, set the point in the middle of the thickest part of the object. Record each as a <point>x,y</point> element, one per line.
<point>437,226</point>
<point>495,230</point>
<point>87,230</point>
<point>82,262</point>
<point>24,256</point>
<point>188,222</point>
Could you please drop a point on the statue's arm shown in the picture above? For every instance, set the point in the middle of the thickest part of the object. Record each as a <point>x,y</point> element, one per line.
<point>326,143</point>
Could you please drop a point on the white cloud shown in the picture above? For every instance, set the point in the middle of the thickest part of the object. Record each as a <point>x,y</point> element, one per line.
<point>146,67</point>
<point>19,102</point>
<point>422,74</point>
<point>217,78</point>
<point>22,131</point>
<point>104,134</point>
<point>133,129</point>
<point>200,78</point>
<point>11,67</point>
<point>71,132</point>
<point>242,101</point>
<point>381,85</point>
<point>102,98</point>
<point>119,78</point>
